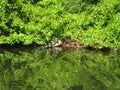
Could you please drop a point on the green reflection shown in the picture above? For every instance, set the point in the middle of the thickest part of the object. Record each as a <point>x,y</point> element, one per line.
<point>35,69</point>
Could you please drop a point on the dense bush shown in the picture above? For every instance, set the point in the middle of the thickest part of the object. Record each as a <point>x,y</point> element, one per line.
<point>96,25</point>
<point>27,21</point>
<point>93,22</point>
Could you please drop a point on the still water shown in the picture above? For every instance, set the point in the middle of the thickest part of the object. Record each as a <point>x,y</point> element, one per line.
<point>36,69</point>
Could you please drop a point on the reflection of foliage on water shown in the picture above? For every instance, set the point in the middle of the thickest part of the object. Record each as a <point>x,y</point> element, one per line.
<point>102,69</point>
<point>33,69</point>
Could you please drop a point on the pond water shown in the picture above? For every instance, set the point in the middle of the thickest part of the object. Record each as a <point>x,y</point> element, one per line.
<point>36,69</point>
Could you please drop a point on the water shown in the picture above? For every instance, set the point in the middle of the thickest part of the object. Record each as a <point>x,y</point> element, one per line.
<point>36,69</point>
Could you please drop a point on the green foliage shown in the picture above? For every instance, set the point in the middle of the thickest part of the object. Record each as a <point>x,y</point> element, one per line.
<point>97,26</point>
<point>35,21</point>
<point>92,22</point>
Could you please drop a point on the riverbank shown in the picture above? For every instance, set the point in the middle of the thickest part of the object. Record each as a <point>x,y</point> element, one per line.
<point>89,22</point>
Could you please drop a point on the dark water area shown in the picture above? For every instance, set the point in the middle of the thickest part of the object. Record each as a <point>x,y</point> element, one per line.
<point>35,69</point>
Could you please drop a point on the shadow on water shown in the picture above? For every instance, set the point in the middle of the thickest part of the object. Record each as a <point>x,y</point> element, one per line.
<point>32,68</point>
